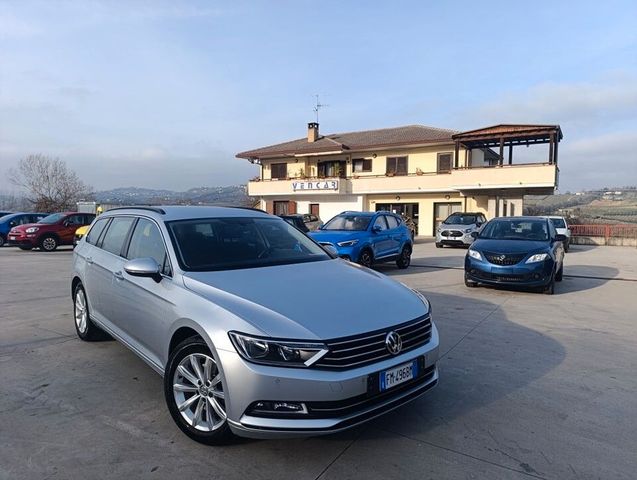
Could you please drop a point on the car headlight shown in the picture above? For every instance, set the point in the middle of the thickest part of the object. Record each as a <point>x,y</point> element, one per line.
<point>277,352</point>
<point>32,229</point>
<point>474,254</point>
<point>347,243</point>
<point>538,257</point>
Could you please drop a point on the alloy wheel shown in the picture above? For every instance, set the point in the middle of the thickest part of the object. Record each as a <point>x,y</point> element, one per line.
<point>81,313</point>
<point>49,244</point>
<point>198,392</point>
<point>366,259</point>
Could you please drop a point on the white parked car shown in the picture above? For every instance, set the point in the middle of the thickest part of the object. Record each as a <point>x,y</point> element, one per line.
<point>562,229</point>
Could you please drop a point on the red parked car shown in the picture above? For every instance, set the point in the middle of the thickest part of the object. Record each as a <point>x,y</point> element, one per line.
<point>50,232</point>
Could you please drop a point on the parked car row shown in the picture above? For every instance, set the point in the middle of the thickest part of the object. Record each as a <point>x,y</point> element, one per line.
<point>46,232</point>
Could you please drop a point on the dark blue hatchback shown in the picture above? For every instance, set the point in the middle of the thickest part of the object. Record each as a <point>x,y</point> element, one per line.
<point>521,251</point>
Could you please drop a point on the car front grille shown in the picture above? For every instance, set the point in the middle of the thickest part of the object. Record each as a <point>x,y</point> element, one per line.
<point>500,278</point>
<point>504,258</point>
<point>359,350</point>
<point>451,233</point>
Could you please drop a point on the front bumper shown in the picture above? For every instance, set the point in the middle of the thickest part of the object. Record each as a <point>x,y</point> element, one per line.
<point>523,274</point>
<point>348,253</point>
<point>335,399</point>
<point>465,239</point>
<point>22,239</point>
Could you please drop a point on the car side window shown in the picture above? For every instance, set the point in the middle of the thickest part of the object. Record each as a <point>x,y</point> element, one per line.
<point>96,230</point>
<point>23,220</point>
<point>88,219</point>
<point>392,221</point>
<point>381,222</point>
<point>147,242</point>
<point>75,220</point>
<point>116,234</point>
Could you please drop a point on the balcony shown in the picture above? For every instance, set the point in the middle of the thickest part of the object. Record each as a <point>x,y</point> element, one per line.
<point>526,176</point>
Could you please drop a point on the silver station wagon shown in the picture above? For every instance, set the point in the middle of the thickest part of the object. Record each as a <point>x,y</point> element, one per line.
<point>215,300</point>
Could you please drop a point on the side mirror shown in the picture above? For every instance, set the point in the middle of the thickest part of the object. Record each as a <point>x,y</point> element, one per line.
<point>475,234</point>
<point>377,228</point>
<point>143,267</point>
<point>560,238</point>
<point>478,225</point>
<point>66,223</point>
<point>331,249</point>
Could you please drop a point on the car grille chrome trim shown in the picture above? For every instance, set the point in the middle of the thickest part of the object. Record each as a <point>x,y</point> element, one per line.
<point>369,348</point>
<point>451,233</point>
<point>504,258</point>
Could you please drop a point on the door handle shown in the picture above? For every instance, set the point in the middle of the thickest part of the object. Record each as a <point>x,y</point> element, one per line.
<point>89,260</point>
<point>118,275</point>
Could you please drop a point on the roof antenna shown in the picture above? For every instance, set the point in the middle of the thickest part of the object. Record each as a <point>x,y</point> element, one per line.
<point>318,106</point>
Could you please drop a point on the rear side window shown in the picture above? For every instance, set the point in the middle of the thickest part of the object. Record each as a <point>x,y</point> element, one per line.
<point>116,234</point>
<point>147,242</point>
<point>380,222</point>
<point>76,220</point>
<point>392,221</point>
<point>96,230</point>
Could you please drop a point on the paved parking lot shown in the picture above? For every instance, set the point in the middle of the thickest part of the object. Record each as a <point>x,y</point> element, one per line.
<point>532,386</point>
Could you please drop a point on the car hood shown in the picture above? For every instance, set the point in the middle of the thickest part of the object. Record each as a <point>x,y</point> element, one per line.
<point>334,236</point>
<point>508,246</point>
<point>23,227</point>
<point>444,226</point>
<point>317,300</point>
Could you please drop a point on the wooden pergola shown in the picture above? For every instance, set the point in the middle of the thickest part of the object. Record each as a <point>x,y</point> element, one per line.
<point>501,136</point>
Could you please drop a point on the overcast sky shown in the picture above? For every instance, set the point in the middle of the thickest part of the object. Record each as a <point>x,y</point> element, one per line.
<point>163,94</point>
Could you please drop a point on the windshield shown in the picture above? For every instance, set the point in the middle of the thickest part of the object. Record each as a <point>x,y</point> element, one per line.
<point>558,222</point>
<point>56,217</point>
<point>348,222</point>
<point>230,243</point>
<point>516,230</point>
<point>459,219</point>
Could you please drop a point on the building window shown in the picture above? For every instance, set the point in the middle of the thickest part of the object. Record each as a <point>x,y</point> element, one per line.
<point>279,170</point>
<point>331,169</point>
<point>281,208</point>
<point>397,165</point>
<point>444,162</point>
<point>362,165</point>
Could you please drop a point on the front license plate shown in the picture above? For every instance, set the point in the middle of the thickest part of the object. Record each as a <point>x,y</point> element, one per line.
<point>397,375</point>
<point>11,238</point>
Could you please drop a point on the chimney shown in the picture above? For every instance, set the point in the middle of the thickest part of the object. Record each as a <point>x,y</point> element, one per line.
<point>312,132</point>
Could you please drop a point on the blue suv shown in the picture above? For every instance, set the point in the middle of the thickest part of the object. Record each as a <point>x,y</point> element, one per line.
<point>14,219</point>
<point>367,238</point>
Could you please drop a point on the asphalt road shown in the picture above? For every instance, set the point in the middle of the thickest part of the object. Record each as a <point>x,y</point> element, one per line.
<point>532,386</point>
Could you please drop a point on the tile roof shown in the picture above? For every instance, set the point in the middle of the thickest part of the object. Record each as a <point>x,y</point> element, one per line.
<point>385,137</point>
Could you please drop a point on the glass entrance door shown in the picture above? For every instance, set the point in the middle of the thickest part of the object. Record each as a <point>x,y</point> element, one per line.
<point>443,210</point>
<point>404,209</point>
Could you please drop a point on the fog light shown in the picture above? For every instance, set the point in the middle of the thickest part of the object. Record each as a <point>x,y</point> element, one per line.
<point>277,408</point>
<point>536,276</point>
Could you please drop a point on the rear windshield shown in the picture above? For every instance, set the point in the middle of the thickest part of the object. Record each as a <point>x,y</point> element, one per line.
<point>558,222</point>
<point>516,230</point>
<point>211,244</point>
<point>459,219</point>
<point>55,218</point>
<point>348,222</point>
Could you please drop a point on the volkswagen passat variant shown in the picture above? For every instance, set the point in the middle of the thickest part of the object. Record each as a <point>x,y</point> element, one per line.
<point>214,299</point>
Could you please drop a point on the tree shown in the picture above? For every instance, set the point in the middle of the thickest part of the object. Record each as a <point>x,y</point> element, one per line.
<point>50,185</point>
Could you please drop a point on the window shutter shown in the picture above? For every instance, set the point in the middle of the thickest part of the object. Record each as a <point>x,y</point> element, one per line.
<point>269,206</point>
<point>291,207</point>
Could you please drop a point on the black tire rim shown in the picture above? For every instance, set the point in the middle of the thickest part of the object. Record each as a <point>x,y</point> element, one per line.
<point>366,259</point>
<point>406,257</point>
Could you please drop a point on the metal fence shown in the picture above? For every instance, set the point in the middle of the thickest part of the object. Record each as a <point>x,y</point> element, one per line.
<point>623,230</point>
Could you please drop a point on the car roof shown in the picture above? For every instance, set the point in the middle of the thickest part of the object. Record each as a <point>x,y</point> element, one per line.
<point>555,216</point>
<point>466,213</point>
<point>365,214</point>
<point>169,213</point>
<point>521,217</point>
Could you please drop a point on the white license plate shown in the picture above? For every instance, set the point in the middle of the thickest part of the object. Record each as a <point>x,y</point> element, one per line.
<point>397,375</point>
<point>11,238</point>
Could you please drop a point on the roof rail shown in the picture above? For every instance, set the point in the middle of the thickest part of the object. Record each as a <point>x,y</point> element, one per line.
<point>249,208</point>
<point>161,211</point>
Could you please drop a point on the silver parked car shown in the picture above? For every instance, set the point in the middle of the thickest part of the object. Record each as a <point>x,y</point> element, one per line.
<point>457,229</point>
<point>562,229</point>
<point>214,300</point>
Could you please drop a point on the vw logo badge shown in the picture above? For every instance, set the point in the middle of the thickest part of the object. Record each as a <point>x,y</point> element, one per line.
<point>394,343</point>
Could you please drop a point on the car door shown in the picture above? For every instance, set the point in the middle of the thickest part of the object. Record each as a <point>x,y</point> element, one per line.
<point>95,275</point>
<point>69,225</point>
<point>141,306</point>
<point>395,235</point>
<point>109,263</point>
<point>380,239</point>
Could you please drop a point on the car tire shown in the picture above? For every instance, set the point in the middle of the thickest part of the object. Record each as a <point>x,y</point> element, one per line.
<point>48,243</point>
<point>549,289</point>
<point>566,247</point>
<point>469,283</point>
<point>25,248</point>
<point>404,259</point>
<point>2,240</point>
<point>202,419</point>
<point>84,326</point>
<point>560,274</point>
<point>439,245</point>
<point>366,258</point>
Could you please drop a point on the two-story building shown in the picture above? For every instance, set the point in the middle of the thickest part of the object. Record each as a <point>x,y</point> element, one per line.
<point>423,172</point>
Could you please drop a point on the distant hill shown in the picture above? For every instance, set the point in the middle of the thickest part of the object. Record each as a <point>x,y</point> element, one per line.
<point>234,195</point>
<point>610,205</point>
